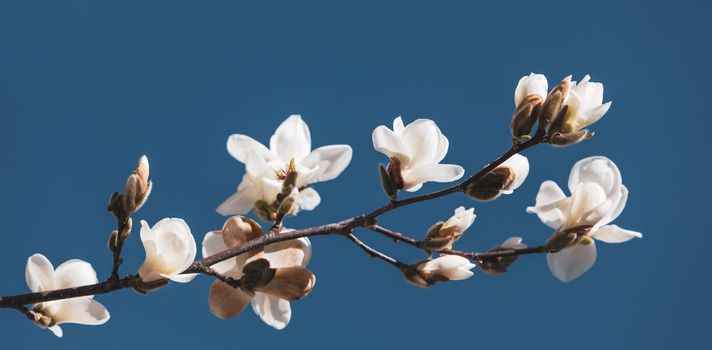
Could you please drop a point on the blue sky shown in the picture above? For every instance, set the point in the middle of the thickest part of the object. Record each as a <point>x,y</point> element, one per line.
<point>86,87</point>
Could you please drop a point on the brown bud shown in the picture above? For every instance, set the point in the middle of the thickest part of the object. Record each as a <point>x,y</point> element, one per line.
<point>524,118</point>
<point>264,211</point>
<point>553,103</point>
<point>113,240</point>
<point>290,181</point>
<point>286,207</point>
<point>137,187</point>
<point>395,174</point>
<point>496,265</point>
<point>490,186</point>
<point>561,240</point>
<point>438,238</point>
<point>386,183</point>
<point>257,274</point>
<point>415,278</point>
<point>126,231</point>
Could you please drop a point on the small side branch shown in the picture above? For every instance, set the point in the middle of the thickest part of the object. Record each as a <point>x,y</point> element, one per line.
<point>375,253</point>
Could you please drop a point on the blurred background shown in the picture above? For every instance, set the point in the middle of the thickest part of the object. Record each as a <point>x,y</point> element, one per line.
<point>86,87</point>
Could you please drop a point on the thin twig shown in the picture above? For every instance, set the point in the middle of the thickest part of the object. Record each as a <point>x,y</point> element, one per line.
<point>375,253</point>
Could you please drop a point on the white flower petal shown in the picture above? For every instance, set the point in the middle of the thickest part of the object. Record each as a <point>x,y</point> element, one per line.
<point>242,201</point>
<point>308,199</point>
<point>291,139</point>
<point>551,202</point>
<point>589,205</point>
<point>614,234</point>
<point>294,252</point>
<point>617,208</point>
<point>214,243</point>
<point>423,138</point>
<point>597,169</point>
<point>571,262</point>
<point>398,126</point>
<point>331,160</point>
<point>39,274</point>
<point>431,172</point>
<point>275,312</point>
<point>56,330</point>
<point>386,142</point>
<point>74,273</point>
<point>81,310</point>
<point>239,146</point>
<point>170,249</point>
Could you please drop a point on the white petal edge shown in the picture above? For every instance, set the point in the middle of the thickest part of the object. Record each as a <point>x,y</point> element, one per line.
<point>614,234</point>
<point>292,139</point>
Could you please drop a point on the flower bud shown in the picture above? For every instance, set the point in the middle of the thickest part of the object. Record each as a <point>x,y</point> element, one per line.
<point>113,240</point>
<point>490,186</point>
<point>414,277</point>
<point>137,188</point>
<point>290,181</point>
<point>499,264</point>
<point>442,235</point>
<point>524,118</point>
<point>553,103</point>
<point>561,240</point>
<point>257,274</point>
<point>445,268</point>
<point>286,207</point>
<point>395,173</point>
<point>386,183</point>
<point>264,211</point>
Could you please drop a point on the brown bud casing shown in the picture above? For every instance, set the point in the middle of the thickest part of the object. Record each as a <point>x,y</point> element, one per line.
<point>386,183</point>
<point>553,103</point>
<point>568,139</point>
<point>395,174</point>
<point>490,186</point>
<point>524,118</point>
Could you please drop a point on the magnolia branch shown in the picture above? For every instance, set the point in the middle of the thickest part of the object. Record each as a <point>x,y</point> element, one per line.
<point>344,228</point>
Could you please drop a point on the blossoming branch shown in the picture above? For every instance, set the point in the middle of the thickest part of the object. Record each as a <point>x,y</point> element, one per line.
<point>266,266</point>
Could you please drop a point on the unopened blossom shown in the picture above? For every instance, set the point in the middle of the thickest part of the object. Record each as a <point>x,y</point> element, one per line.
<point>583,107</point>
<point>598,196</point>
<point>503,179</point>
<point>528,97</point>
<point>443,234</point>
<point>444,268</point>
<point>282,275</point>
<point>499,264</point>
<point>417,149</point>
<point>266,167</point>
<point>42,277</point>
<point>170,250</point>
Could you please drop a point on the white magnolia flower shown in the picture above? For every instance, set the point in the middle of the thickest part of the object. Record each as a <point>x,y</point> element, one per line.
<point>170,249</point>
<point>262,181</point>
<point>585,105</point>
<point>532,84</point>
<point>42,277</point>
<point>447,267</point>
<point>597,198</point>
<point>270,302</point>
<point>419,146</point>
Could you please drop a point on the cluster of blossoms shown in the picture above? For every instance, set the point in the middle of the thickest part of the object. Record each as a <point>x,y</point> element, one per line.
<point>279,183</point>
